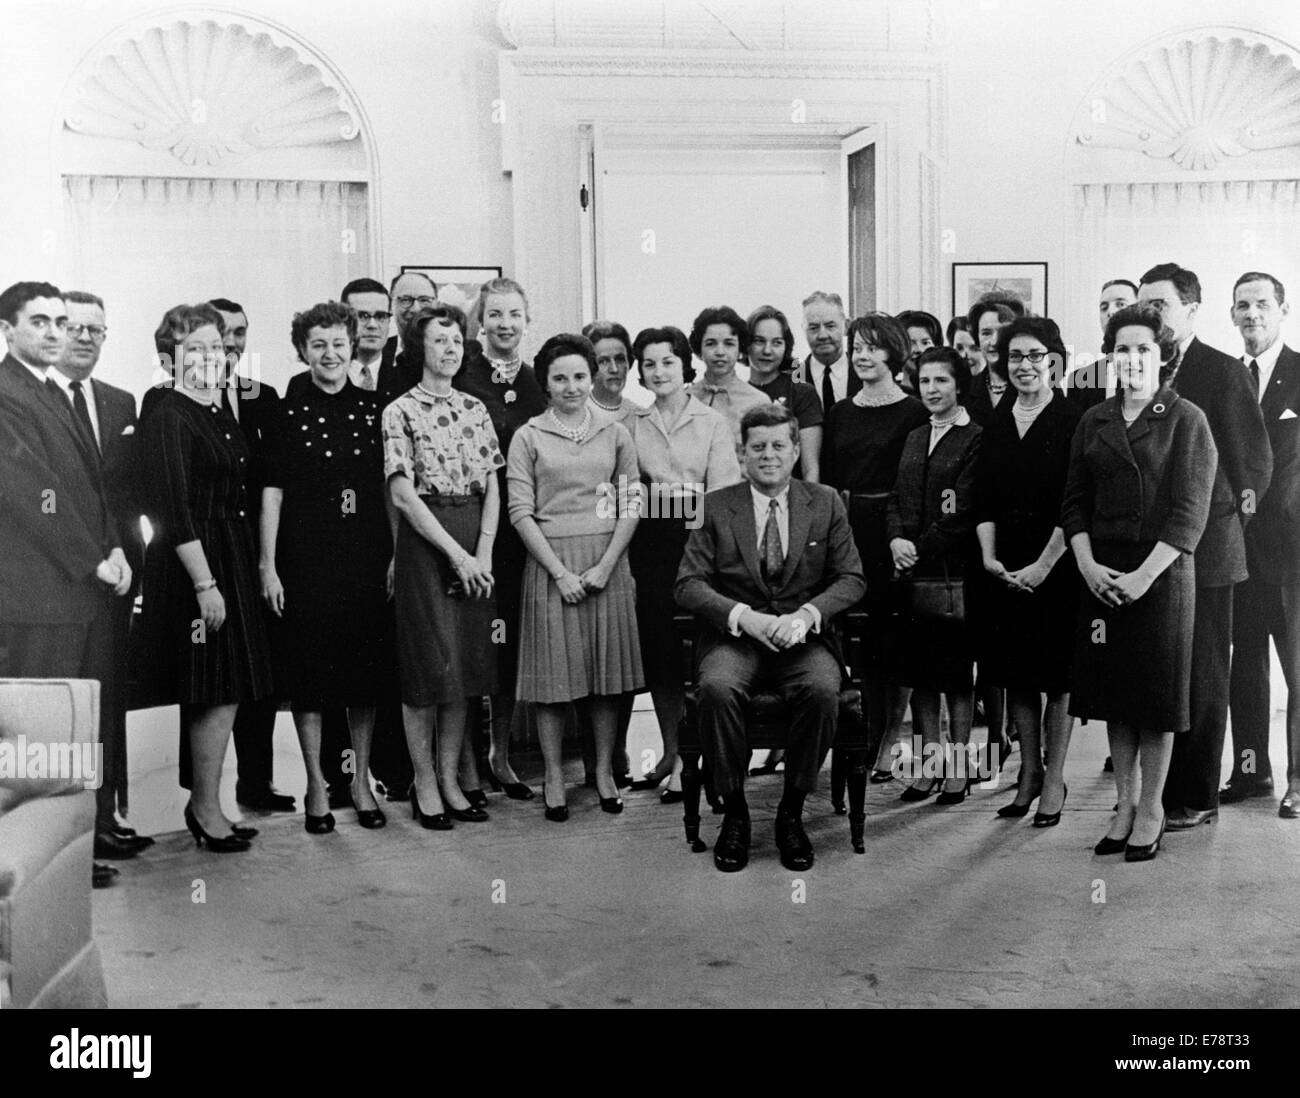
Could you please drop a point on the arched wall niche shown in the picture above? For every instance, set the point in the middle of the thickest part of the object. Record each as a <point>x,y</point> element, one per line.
<point>1186,148</point>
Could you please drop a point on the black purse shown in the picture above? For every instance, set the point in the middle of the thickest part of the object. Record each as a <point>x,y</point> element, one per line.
<point>938,599</point>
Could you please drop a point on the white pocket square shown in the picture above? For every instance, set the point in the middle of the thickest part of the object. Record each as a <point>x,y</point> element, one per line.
<point>128,430</point>
<point>1288,414</point>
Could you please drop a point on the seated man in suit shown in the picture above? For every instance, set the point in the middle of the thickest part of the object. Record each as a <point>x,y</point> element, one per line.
<point>772,563</point>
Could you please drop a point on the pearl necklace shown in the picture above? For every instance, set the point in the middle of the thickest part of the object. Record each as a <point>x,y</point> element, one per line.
<point>935,421</point>
<point>605,407</point>
<point>578,433</point>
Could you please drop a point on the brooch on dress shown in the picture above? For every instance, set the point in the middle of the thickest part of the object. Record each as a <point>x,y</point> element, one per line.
<point>510,396</point>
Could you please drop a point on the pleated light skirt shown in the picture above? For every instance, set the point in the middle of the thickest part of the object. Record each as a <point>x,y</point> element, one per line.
<point>571,652</point>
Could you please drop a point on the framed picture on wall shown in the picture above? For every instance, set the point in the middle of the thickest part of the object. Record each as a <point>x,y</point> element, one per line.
<point>1028,281</point>
<point>456,285</point>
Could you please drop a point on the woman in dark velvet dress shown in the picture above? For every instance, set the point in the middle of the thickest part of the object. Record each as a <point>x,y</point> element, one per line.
<point>325,551</point>
<point>863,444</point>
<point>496,375</point>
<point>1026,635</point>
<point>201,641</point>
<point>932,535</point>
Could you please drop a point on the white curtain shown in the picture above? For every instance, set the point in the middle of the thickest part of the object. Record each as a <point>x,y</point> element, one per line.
<point>274,246</point>
<point>1217,229</point>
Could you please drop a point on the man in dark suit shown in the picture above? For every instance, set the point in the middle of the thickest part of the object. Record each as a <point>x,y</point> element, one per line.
<point>826,369</point>
<point>1090,383</point>
<point>108,414</point>
<point>772,563</point>
<point>1268,603</point>
<point>1217,385</point>
<point>61,561</point>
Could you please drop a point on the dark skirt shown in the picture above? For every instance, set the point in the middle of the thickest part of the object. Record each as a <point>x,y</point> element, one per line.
<point>173,658</point>
<point>332,644</point>
<point>1133,664</point>
<point>884,603</point>
<point>655,555</point>
<point>1026,640</point>
<point>509,557</point>
<point>447,646</point>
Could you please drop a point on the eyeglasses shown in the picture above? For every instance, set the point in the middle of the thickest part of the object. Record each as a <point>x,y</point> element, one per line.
<point>406,301</point>
<point>1035,358</point>
<point>378,318</point>
<point>95,331</point>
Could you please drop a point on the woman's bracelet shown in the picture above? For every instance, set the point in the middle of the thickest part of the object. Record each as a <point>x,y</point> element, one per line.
<point>205,585</point>
<point>486,533</point>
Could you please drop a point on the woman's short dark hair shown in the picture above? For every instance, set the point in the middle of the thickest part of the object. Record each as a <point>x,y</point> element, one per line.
<point>1144,316</point>
<point>957,367</point>
<point>769,415</point>
<point>558,346</point>
<point>326,314</point>
<point>180,321</point>
<point>1007,305</point>
<point>608,329</point>
<point>881,330</point>
<point>1046,332</point>
<point>917,318</point>
<point>955,325</point>
<point>719,314</point>
<point>446,315</point>
<point>675,338</point>
<point>771,312</point>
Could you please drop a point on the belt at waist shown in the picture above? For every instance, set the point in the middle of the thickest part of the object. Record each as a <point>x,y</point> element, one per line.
<point>446,500</point>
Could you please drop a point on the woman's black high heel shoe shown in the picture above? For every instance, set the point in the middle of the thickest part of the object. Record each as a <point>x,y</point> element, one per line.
<point>241,832</point>
<point>472,814</point>
<point>955,797</point>
<point>218,844</point>
<point>318,825</point>
<point>612,805</point>
<point>476,797</point>
<point>1051,819</point>
<point>516,791</point>
<point>916,793</point>
<point>371,818</point>
<point>559,813</point>
<point>1111,846</point>
<point>440,822</point>
<point>1146,851</point>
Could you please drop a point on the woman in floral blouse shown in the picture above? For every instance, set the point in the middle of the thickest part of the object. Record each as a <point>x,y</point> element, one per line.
<point>440,458</point>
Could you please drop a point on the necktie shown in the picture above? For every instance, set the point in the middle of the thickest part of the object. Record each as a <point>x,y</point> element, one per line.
<point>1254,375</point>
<point>82,409</point>
<point>828,390</point>
<point>773,557</point>
<point>85,438</point>
<point>367,381</point>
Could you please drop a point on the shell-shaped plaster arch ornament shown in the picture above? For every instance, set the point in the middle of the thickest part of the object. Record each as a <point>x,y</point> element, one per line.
<point>206,92</point>
<point>1197,102</point>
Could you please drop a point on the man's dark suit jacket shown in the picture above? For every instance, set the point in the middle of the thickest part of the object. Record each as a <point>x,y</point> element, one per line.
<point>720,567</point>
<point>855,382</point>
<point>1273,538</point>
<point>1220,386</point>
<point>55,525</point>
<point>117,446</point>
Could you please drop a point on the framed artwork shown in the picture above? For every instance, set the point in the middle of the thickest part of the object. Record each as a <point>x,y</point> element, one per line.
<point>456,285</point>
<point>1028,281</point>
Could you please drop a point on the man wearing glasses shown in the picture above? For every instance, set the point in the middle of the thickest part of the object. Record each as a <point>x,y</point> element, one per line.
<point>108,413</point>
<point>411,291</point>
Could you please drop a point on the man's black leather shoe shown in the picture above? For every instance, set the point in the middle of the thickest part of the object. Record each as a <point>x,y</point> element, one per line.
<point>266,800</point>
<point>1289,809</point>
<point>793,843</point>
<point>1184,819</point>
<point>1238,791</point>
<point>731,853</point>
<point>113,847</point>
<point>130,835</point>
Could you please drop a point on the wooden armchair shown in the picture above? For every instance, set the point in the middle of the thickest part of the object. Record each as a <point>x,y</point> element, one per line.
<point>767,726</point>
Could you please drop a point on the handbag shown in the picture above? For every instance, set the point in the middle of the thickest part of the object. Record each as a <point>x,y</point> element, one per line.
<point>938,599</point>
